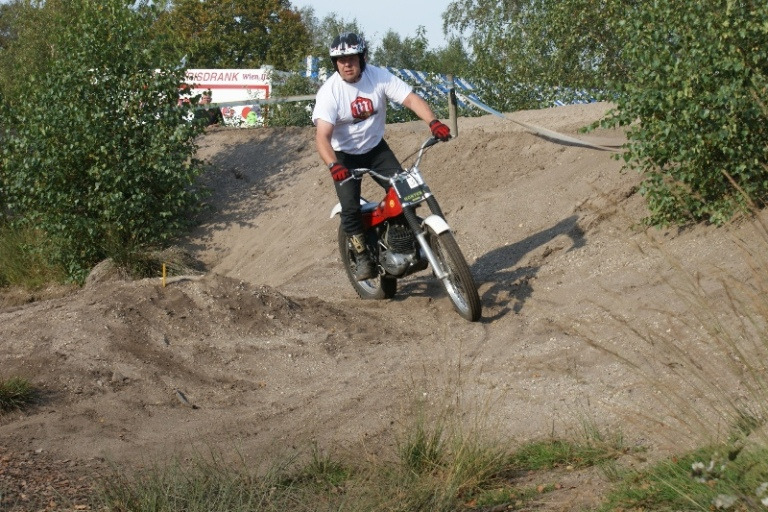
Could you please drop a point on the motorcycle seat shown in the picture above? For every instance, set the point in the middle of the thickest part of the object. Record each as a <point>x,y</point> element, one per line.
<point>368,207</point>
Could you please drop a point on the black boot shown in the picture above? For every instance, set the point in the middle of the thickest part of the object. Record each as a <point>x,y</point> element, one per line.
<point>364,268</point>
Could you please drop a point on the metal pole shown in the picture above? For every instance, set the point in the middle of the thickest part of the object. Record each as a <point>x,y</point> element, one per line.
<point>452,103</point>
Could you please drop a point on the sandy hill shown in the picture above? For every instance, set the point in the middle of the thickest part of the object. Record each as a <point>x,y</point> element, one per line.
<point>269,349</point>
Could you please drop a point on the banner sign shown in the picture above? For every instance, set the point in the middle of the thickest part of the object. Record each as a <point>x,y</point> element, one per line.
<point>241,86</point>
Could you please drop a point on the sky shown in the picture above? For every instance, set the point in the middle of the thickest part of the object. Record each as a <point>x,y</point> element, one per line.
<point>377,17</point>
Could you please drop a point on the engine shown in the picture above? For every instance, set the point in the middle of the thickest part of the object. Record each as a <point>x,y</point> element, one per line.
<point>399,238</point>
<point>400,254</point>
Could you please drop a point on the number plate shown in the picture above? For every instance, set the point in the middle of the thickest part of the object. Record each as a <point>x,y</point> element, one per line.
<point>410,189</point>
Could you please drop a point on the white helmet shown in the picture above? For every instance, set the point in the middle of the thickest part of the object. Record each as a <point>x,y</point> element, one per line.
<point>347,43</point>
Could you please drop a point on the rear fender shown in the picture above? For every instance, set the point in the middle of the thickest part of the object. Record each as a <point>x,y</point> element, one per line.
<point>337,209</point>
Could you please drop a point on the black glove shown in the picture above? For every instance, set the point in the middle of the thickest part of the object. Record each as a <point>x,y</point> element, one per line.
<point>439,130</point>
<point>338,171</point>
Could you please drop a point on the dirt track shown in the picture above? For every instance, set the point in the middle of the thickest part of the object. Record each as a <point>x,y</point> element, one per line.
<point>270,349</point>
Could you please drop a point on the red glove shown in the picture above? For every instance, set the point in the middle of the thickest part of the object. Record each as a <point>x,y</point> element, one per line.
<point>439,130</point>
<point>338,171</point>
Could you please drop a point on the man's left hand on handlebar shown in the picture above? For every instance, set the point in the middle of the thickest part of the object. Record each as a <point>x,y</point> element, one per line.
<point>439,130</point>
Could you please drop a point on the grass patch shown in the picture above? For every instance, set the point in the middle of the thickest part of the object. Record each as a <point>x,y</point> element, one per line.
<point>435,468</point>
<point>16,393</point>
<point>710,478</point>
<point>703,354</point>
<point>558,453</point>
<point>24,263</point>
<point>22,260</point>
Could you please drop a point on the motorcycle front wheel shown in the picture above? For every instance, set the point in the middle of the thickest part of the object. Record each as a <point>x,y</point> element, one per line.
<point>459,283</point>
<point>378,288</point>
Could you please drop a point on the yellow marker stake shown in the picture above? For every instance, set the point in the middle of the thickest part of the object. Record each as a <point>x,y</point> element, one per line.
<point>163,275</point>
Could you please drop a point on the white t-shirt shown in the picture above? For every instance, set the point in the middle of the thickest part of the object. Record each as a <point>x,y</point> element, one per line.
<point>358,111</point>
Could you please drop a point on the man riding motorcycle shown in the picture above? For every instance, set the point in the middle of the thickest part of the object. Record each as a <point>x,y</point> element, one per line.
<point>350,118</point>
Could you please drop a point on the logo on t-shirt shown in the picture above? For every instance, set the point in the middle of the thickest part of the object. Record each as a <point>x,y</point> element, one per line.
<point>362,109</point>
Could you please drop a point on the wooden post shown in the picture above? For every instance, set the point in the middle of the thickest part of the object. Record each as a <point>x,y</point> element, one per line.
<point>452,103</point>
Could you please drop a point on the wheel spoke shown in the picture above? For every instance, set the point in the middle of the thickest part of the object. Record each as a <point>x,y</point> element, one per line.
<point>376,288</point>
<point>458,283</point>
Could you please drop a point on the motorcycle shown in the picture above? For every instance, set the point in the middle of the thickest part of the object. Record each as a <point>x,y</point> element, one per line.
<point>402,243</point>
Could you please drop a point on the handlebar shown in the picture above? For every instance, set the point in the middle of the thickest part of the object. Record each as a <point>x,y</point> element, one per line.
<point>357,174</point>
<point>361,171</point>
<point>427,143</point>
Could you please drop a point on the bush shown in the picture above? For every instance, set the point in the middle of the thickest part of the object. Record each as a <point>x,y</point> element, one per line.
<point>98,155</point>
<point>688,79</point>
<point>297,113</point>
<point>693,105</point>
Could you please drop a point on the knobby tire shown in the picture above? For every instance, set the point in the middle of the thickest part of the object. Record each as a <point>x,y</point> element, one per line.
<point>459,285</point>
<point>378,288</point>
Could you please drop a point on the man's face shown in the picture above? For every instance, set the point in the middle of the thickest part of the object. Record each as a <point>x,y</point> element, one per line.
<point>349,67</point>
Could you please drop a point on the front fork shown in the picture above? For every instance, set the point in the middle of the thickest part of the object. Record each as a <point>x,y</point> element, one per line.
<point>421,235</point>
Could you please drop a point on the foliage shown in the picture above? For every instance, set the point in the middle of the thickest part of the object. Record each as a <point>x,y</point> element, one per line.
<point>408,53</point>
<point>23,259</point>
<point>520,47</point>
<point>414,53</point>
<point>15,393</point>
<point>393,51</point>
<point>23,46</point>
<point>688,79</point>
<point>323,483</point>
<point>323,31</point>
<point>551,453</point>
<point>97,154</point>
<point>298,113</point>
<point>452,59</point>
<point>239,33</point>
<point>11,15</point>
<point>693,104</point>
<point>710,478</point>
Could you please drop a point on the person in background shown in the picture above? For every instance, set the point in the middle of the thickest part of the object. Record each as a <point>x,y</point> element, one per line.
<point>211,115</point>
<point>350,117</point>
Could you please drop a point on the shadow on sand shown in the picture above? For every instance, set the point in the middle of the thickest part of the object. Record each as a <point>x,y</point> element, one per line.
<point>510,285</point>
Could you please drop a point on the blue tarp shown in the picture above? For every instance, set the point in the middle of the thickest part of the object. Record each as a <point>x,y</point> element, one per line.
<point>435,87</point>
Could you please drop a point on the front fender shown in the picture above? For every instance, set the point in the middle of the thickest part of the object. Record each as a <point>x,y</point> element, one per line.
<point>436,223</point>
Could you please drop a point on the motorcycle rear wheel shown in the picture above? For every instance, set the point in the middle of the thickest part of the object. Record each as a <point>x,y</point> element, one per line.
<point>378,288</point>
<point>459,284</point>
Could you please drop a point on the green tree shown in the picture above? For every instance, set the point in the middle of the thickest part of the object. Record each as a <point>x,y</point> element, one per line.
<point>408,53</point>
<point>23,46</point>
<point>8,22</point>
<point>323,31</point>
<point>519,47</point>
<point>688,79</point>
<point>298,113</point>
<point>239,33</point>
<point>414,53</point>
<point>97,155</point>
<point>694,103</point>
<point>453,59</point>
